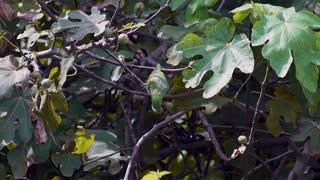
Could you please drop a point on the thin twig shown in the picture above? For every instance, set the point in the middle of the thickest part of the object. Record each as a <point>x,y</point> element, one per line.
<point>152,17</point>
<point>243,84</point>
<point>223,3</point>
<point>139,93</point>
<point>264,164</point>
<point>281,164</point>
<point>244,129</point>
<point>47,10</point>
<point>106,156</point>
<point>141,117</point>
<point>126,107</point>
<point>115,13</point>
<point>126,68</point>
<point>271,160</point>
<point>246,108</point>
<point>213,137</point>
<point>103,59</point>
<point>256,112</point>
<point>91,74</point>
<point>150,133</point>
<point>186,162</point>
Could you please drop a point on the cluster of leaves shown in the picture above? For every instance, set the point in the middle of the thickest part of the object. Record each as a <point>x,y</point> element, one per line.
<point>85,85</point>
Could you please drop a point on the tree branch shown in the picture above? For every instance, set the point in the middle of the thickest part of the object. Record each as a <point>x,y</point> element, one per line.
<point>213,137</point>
<point>103,59</point>
<point>47,10</point>
<point>147,135</point>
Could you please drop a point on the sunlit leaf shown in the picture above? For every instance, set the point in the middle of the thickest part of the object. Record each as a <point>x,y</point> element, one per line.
<point>32,34</point>
<point>288,39</point>
<point>174,56</point>
<point>11,74</point>
<point>256,10</point>
<point>155,175</point>
<point>78,24</point>
<point>198,11</point>
<point>65,64</point>
<point>221,53</point>
<point>82,143</point>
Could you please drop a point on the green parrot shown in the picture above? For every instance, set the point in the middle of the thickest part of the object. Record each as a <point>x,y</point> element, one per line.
<point>158,87</point>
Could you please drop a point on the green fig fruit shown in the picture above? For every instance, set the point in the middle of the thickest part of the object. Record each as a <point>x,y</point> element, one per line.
<point>242,140</point>
<point>123,39</point>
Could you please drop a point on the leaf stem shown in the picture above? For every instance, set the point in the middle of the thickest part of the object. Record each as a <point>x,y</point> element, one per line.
<point>126,68</point>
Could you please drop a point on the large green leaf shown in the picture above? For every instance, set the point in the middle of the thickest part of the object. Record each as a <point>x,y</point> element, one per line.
<point>80,24</point>
<point>67,163</point>
<point>284,105</point>
<point>198,11</point>
<point>15,117</point>
<point>32,34</point>
<point>256,10</point>
<point>102,151</point>
<point>42,150</point>
<point>289,38</point>
<point>17,159</point>
<point>65,64</point>
<point>309,128</point>
<point>11,74</point>
<point>221,53</point>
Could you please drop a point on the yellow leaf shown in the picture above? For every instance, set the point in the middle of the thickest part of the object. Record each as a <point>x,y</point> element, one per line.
<point>130,26</point>
<point>155,175</point>
<point>11,146</point>
<point>54,73</point>
<point>82,143</point>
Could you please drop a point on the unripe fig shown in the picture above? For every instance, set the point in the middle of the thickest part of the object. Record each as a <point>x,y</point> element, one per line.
<point>36,75</point>
<point>123,39</point>
<point>139,8</point>
<point>242,140</point>
<point>46,83</point>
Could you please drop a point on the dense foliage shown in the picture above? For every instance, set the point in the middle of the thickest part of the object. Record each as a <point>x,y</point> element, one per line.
<point>159,89</point>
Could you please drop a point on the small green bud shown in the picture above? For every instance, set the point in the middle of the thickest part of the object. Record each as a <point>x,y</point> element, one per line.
<point>242,140</point>
<point>139,8</point>
<point>123,39</point>
<point>46,83</point>
<point>36,75</point>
